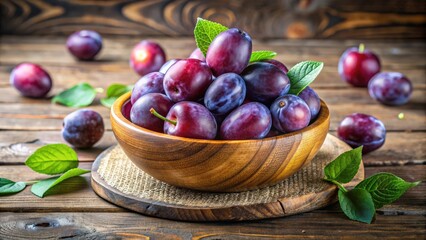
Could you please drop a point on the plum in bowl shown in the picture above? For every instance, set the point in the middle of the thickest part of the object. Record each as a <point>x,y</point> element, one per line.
<point>218,165</point>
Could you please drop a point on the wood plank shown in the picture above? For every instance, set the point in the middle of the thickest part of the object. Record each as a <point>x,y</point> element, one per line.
<point>78,195</point>
<point>266,19</point>
<point>16,146</point>
<point>41,115</point>
<point>73,195</point>
<point>400,148</point>
<point>112,65</point>
<point>316,225</point>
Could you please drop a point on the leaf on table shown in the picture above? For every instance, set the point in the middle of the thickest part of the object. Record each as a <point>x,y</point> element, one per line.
<point>205,32</point>
<point>257,56</point>
<point>385,188</point>
<point>8,187</point>
<point>53,159</point>
<point>357,205</point>
<point>344,168</point>
<point>114,91</point>
<point>39,189</point>
<point>303,74</point>
<point>80,95</point>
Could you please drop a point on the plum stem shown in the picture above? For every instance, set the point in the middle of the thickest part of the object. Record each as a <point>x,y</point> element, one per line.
<point>155,113</point>
<point>361,48</point>
<point>339,185</point>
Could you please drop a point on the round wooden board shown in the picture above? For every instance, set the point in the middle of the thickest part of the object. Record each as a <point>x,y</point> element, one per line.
<point>200,209</point>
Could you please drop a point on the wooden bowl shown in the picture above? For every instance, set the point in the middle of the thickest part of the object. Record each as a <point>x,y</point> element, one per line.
<point>218,165</point>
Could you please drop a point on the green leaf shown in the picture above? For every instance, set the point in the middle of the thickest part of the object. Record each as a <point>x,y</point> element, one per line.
<point>205,31</point>
<point>257,56</point>
<point>80,95</point>
<point>39,189</point>
<point>10,187</point>
<point>303,74</point>
<point>385,188</point>
<point>53,159</point>
<point>344,167</point>
<point>357,204</point>
<point>114,91</point>
<point>108,102</point>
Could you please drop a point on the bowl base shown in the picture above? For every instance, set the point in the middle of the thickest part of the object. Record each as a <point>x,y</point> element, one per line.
<point>116,179</point>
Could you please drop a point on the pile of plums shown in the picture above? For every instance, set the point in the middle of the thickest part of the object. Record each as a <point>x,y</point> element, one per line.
<point>81,128</point>
<point>361,67</point>
<point>220,96</point>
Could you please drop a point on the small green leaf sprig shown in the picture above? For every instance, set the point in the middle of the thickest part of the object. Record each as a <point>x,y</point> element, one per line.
<point>83,94</point>
<point>374,192</point>
<point>52,159</point>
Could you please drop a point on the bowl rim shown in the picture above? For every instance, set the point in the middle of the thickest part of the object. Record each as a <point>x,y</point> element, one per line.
<point>117,115</point>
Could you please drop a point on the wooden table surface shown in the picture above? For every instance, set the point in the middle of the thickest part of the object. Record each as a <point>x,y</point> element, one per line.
<point>75,211</point>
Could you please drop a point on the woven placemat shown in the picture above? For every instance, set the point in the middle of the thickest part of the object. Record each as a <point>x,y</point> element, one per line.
<point>116,171</point>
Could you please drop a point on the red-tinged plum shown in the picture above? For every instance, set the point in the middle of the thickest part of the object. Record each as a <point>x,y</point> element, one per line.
<point>390,88</point>
<point>187,80</point>
<point>230,51</point>
<point>191,120</point>
<point>84,44</point>
<point>290,113</point>
<point>197,54</point>
<point>147,57</point>
<point>312,99</point>
<point>277,64</point>
<point>358,65</point>
<point>141,115</point>
<point>249,121</point>
<point>150,83</point>
<point>83,128</point>
<point>167,65</point>
<point>225,93</point>
<point>265,82</point>
<point>360,129</point>
<point>125,109</point>
<point>31,80</point>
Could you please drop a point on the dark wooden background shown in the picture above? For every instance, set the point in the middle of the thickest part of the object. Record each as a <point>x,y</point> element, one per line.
<point>338,19</point>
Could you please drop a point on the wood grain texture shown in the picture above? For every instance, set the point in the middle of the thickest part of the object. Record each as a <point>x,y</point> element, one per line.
<point>314,225</point>
<point>401,148</point>
<point>312,195</point>
<point>263,19</point>
<point>218,165</point>
<point>80,196</point>
<point>75,194</point>
<point>79,213</point>
<point>46,116</point>
<point>16,146</point>
<point>112,65</point>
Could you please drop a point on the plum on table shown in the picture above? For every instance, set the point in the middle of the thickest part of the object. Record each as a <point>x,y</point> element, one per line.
<point>360,129</point>
<point>84,44</point>
<point>31,80</point>
<point>358,65</point>
<point>390,88</point>
<point>83,128</point>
